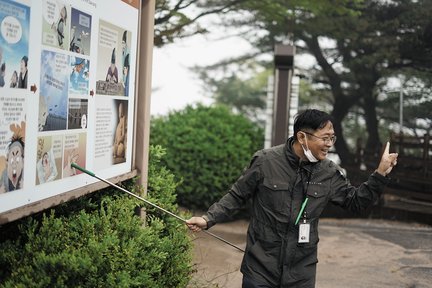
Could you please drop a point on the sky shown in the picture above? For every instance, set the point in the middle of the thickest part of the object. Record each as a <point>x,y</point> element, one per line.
<point>173,85</point>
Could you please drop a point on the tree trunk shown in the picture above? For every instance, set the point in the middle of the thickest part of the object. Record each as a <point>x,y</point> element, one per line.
<point>342,102</point>
<point>340,110</point>
<point>373,144</point>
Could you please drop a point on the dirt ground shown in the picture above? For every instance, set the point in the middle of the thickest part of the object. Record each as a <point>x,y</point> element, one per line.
<point>353,253</point>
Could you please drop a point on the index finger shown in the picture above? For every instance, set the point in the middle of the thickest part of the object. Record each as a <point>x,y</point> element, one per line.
<point>387,148</point>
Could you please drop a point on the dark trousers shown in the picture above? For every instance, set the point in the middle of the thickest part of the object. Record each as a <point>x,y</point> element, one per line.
<point>250,283</point>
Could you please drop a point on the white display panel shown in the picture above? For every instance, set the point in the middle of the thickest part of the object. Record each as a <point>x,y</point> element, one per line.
<point>67,89</point>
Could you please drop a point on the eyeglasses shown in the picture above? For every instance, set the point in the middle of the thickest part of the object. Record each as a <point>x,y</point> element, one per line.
<point>327,140</point>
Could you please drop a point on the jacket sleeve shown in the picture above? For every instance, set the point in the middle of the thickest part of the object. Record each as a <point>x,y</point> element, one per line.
<point>235,199</point>
<point>356,199</point>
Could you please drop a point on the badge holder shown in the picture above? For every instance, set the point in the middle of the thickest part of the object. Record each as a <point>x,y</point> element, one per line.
<point>304,231</point>
<point>304,228</point>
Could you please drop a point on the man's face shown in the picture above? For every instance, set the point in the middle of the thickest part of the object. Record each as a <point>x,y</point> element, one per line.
<point>45,159</point>
<point>15,164</point>
<point>63,13</point>
<point>79,67</point>
<point>319,142</point>
<point>22,66</point>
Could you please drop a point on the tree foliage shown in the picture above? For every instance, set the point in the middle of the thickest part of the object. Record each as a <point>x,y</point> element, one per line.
<point>176,19</point>
<point>246,96</point>
<point>357,46</point>
<point>369,47</point>
<point>207,148</point>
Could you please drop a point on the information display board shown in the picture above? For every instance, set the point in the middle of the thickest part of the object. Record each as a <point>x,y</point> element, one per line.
<point>67,89</point>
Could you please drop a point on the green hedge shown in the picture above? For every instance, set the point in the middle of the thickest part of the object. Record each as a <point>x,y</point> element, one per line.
<point>207,148</point>
<point>98,241</point>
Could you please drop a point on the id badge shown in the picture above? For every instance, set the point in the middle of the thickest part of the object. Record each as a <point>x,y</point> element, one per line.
<point>304,232</point>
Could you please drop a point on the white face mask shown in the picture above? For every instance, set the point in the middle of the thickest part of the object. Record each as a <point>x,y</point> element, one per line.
<point>308,153</point>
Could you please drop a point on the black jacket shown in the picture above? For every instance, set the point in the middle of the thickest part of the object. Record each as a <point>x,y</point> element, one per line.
<point>278,182</point>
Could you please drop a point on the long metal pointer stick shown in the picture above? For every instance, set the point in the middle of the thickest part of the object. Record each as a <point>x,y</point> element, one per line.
<point>74,165</point>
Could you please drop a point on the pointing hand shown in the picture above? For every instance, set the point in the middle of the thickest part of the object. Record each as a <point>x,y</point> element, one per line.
<point>388,161</point>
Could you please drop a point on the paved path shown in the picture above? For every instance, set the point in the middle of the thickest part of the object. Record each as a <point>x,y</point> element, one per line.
<point>354,253</point>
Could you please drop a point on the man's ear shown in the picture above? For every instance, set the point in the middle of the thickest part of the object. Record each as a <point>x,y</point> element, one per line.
<point>301,137</point>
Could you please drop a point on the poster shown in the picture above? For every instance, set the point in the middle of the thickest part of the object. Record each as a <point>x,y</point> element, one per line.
<point>66,95</point>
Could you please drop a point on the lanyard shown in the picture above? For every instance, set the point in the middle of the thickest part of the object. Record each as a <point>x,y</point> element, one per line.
<point>301,210</point>
<point>306,199</point>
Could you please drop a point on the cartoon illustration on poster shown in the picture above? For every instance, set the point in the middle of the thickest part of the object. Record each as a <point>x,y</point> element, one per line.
<point>77,115</point>
<point>49,158</point>
<point>53,97</point>
<point>111,132</point>
<point>125,61</point>
<point>120,139</point>
<point>14,39</point>
<point>12,161</point>
<point>79,77</point>
<point>113,57</point>
<point>80,33</point>
<point>74,152</point>
<point>55,24</point>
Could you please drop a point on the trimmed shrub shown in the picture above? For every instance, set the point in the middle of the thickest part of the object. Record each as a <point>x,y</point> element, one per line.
<point>207,147</point>
<point>99,241</point>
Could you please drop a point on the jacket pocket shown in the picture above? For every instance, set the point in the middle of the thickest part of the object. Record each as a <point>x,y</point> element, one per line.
<point>274,195</point>
<point>262,261</point>
<point>304,261</point>
<point>317,200</point>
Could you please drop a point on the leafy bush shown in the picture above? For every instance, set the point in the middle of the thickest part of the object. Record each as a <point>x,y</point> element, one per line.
<point>207,147</point>
<point>98,241</point>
